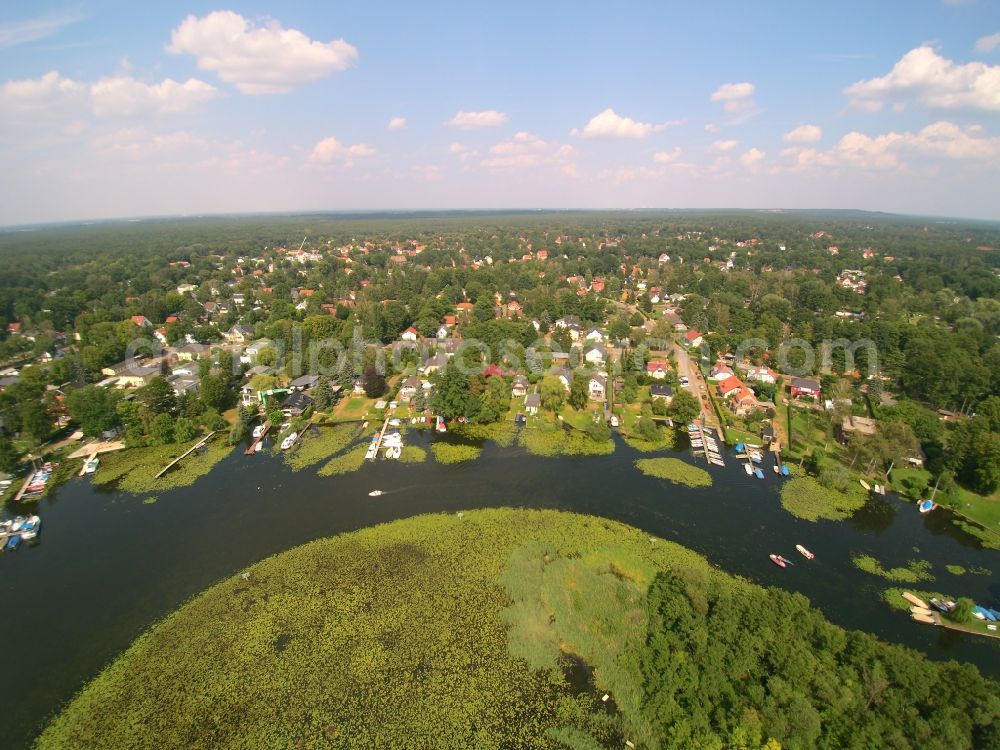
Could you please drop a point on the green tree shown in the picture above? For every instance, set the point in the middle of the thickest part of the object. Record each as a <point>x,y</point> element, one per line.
<point>214,391</point>
<point>157,396</point>
<point>552,393</point>
<point>579,393</point>
<point>184,430</point>
<point>451,397</point>
<point>684,408</point>
<point>162,430</point>
<point>322,394</point>
<point>8,453</point>
<point>495,400</point>
<point>373,382</point>
<point>94,409</point>
<point>35,421</point>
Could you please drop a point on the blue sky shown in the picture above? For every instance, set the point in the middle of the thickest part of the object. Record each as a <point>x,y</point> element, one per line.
<point>111,109</point>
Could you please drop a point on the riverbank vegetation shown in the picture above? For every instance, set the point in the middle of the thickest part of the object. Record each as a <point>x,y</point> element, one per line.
<point>674,470</point>
<point>386,636</point>
<point>555,440</point>
<point>915,570</point>
<point>804,497</point>
<point>134,469</point>
<point>320,443</point>
<point>413,454</point>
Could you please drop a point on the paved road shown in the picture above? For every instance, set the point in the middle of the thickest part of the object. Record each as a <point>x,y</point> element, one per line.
<point>696,384</point>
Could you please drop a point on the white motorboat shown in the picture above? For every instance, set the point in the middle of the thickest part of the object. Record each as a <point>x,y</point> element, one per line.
<point>375,493</point>
<point>31,528</point>
<point>289,441</point>
<point>91,464</point>
<point>258,431</point>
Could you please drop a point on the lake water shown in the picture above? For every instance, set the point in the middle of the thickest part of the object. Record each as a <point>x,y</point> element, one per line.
<point>107,566</point>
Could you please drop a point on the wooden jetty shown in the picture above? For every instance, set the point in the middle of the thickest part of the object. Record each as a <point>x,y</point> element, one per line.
<point>253,446</point>
<point>190,450</point>
<point>83,469</point>
<point>381,434</point>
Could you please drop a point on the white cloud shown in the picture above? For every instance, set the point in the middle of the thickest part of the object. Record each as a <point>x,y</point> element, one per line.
<point>924,76</point>
<point>666,157</point>
<point>988,43</point>
<point>722,147</point>
<point>609,124</point>
<point>803,134</point>
<point>397,123</point>
<point>751,158</point>
<point>51,95</point>
<point>265,59</point>
<point>887,151</point>
<point>14,33</point>
<point>489,118</point>
<point>735,97</point>
<point>526,150</point>
<point>464,153</point>
<point>124,96</point>
<point>331,151</point>
<point>711,127</point>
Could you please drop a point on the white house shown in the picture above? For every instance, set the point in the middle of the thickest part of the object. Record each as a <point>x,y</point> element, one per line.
<point>410,334</point>
<point>594,336</point>
<point>595,355</point>
<point>597,386</point>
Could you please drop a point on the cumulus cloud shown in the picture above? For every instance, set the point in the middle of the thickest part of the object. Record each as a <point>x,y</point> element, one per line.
<point>50,95</point>
<point>53,96</point>
<point>609,124</point>
<point>525,150</point>
<point>803,134</point>
<point>489,118</point>
<point>666,157</point>
<point>735,97</point>
<point>751,158</point>
<point>924,76</point>
<point>711,127</point>
<point>888,151</point>
<point>124,96</point>
<point>267,59</point>
<point>331,151</point>
<point>13,33</point>
<point>988,43</point>
<point>397,123</point>
<point>722,147</point>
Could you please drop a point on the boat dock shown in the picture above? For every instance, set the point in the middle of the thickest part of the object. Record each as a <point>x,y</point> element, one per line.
<point>83,469</point>
<point>373,454</point>
<point>253,446</point>
<point>703,443</point>
<point>186,453</point>
<point>95,449</point>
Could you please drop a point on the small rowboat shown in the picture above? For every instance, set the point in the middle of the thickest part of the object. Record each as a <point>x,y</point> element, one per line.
<point>920,617</point>
<point>926,506</point>
<point>868,487</point>
<point>804,552</point>
<point>778,560</point>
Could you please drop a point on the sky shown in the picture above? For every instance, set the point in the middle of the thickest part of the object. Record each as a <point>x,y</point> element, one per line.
<point>118,109</point>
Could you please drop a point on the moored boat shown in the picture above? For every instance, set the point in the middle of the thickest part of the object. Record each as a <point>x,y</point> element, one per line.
<point>257,432</point>
<point>17,523</point>
<point>289,441</point>
<point>778,560</point>
<point>865,484</point>
<point>804,552</point>
<point>945,605</point>
<point>31,528</point>
<point>748,468</point>
<point>758,473</point>
<point>13,543</point>
<point>926,506</point>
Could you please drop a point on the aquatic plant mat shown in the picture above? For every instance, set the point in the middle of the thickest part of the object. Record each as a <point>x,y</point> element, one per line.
<point>674,470</point>
<point>806,498</point>
<point>134,470</point>
<point>504,629</point>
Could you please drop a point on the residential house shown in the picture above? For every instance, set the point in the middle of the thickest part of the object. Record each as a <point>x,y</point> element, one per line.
<point>303,383</point>
<point>296,404</point>
<point>742,402</point>
<point>762,374</point>
<point>238,334</point>
<point>564,375</point>
<point>860,425</point>
<point>190,352</point>
<point>657,368</point>
<point>183,383</point>
<point>531,403</point>
<point>729,386</point>
<point>410,334</point>
<point>692,338</point>
<point>442,331</point>
<point>661,390</point>
<point>160,334</point>
<point>595,354</point>
<point>141,320</point>
<point>804,387</point>
<point>258,370</point>
<point>594,335</point>
<point>438,362</point>
<point>720,371</point>
<point>597,386</point>
<point>519,387</point>
<point>409,388</point>
<point>252,350</point>
<point>136,376</point>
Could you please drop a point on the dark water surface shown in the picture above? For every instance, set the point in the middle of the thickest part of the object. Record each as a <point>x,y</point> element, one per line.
<point>106,566</point>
